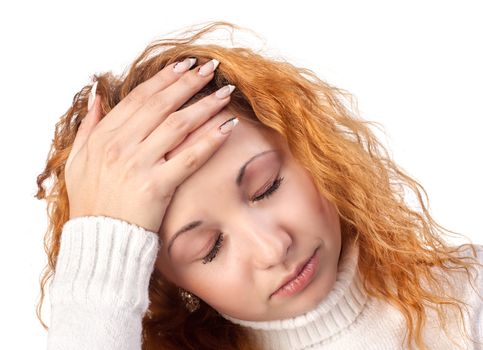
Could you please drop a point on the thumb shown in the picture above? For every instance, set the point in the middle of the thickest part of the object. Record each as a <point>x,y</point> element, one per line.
<point>88,123</point>
<point>93,113</point>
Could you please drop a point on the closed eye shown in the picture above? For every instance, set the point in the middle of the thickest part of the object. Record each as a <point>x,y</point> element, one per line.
<point>274,187</point>
<point>216,247</point>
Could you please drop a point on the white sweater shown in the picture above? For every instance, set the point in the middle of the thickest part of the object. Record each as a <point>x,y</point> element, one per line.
<point>99,295</point>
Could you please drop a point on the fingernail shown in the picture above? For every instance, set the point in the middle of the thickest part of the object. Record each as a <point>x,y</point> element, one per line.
<point>208,68</point>
<point>228,126</point>
<point>92,97</point>
<point>183,66</point>
<point>225,91</point>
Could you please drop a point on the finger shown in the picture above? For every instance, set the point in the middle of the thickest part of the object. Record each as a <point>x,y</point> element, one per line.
<point>88,123</point>
<point>141,93</point>
<point>201,132</point>
<point>163,103</point>
<point>176,127</point>
<point>173,172</point>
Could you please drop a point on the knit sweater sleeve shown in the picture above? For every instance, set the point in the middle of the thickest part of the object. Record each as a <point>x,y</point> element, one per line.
<point>99,293</point>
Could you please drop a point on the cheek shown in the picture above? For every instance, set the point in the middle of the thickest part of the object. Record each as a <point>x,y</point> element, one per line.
<point>330,212</point>
<point>301,197</point>
<point>304,205</point>
<point>213,283</point>
<point>164,269</point>
<point>171,271</point>
<point>221,287</point>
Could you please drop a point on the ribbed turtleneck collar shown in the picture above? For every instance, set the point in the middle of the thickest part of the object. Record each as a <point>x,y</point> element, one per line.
<point>332,315</point>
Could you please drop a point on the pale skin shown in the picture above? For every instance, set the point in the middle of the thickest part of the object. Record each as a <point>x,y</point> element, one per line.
<point>263,238</point>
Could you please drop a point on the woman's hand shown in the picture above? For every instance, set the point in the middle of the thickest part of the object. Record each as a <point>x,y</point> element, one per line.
<point>117,166</point>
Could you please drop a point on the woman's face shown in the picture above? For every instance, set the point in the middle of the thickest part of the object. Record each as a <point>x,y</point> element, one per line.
<point>264,239</point>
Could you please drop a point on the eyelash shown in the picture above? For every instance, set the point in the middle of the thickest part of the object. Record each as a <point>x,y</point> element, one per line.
<point>212,254</point>
<point>216,247</point>
<point>274,187</point>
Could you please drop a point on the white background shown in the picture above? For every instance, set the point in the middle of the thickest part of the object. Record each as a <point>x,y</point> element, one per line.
<point>414,66</point>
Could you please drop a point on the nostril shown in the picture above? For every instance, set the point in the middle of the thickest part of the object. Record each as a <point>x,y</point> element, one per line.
<point>275,253</point>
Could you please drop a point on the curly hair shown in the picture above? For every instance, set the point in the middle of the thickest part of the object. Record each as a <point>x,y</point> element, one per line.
<point>400,246</point>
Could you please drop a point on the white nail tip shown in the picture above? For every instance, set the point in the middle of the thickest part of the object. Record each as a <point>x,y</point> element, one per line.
<point>92,96</point>
<point>192,62</point>
<point>207,69</point>
<point>184,65</point>
<point>225,91</point>
<point>215,63</point>
<point>228,125</point>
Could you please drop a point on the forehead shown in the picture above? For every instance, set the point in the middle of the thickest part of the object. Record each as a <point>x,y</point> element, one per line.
<point>220,171</point>
<point>246,140</point>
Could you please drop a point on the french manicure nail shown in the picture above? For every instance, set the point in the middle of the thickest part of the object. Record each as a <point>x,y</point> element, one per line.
<point>225,91</point>
<point>228,126</point>
<point>92,97</point>
<point>208,67</point>
<point>183,66</point>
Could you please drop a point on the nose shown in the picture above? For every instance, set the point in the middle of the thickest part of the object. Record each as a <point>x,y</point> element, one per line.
<point>266,244</point>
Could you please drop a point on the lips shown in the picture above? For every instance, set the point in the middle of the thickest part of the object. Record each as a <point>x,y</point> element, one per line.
<point>300,278</point>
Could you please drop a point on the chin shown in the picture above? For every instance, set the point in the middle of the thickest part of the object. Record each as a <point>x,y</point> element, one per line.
<point>309,298</point>
<point>321,291</point>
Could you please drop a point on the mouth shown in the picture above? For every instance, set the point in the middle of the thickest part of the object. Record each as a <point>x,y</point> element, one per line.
<point>300,278</point>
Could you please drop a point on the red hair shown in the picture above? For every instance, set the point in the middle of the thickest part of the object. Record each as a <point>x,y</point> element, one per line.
<point>399,246</point>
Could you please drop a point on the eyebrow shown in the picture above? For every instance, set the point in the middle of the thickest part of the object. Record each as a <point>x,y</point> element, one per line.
<point>238,181</point>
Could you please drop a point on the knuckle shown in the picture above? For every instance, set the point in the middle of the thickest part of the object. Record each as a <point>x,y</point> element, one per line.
<point>156,188</point>
<point>147,190</point>
<point>132,168</point>
<point>189,81</point>
<point>176,122</point>
<point>166,197</point>
<point>163,194</point>
<point>191,161</point>
<point>207,103</point>
<point>136,96</point>
<point>212,144</point>
<point>161,104</point>
<point>112,151</point>
<point>153,103</point>
<point>168,106</point>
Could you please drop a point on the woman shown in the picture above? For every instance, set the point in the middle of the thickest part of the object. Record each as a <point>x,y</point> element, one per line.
<point>214,198</point>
